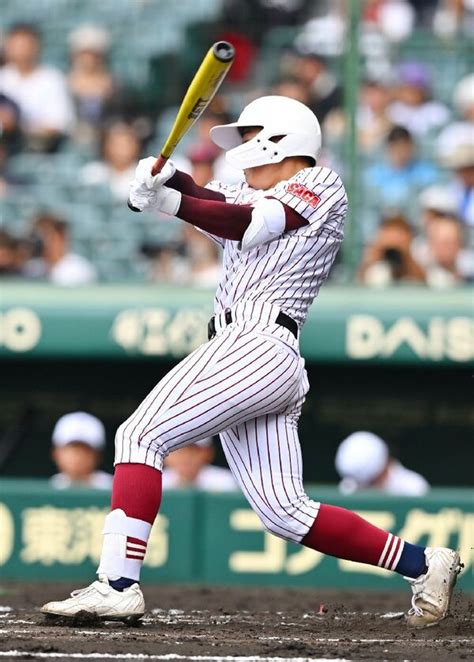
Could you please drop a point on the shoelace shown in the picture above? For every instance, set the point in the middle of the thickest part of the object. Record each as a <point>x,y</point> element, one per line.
<point>417,588</point>
<point>415,610</point>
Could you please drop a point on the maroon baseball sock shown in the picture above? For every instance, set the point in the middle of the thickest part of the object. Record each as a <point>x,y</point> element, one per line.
<point>344,534</point>
<point>136,498</point>
<point>137,491</point>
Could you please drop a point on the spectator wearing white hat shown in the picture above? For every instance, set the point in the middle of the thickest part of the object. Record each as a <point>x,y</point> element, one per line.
<point>78,441</point>
<point>460,160</point>
<point>460,131</point>
<point>449,263</point>
<point>434,202</point>
<point>363,461</point>
<point>191,466</point>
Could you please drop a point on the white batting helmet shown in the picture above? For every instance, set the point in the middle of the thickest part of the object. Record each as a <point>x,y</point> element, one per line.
<point>277,116</point>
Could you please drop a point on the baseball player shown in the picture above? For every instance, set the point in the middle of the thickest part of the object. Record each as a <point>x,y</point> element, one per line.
<point>280,231</point>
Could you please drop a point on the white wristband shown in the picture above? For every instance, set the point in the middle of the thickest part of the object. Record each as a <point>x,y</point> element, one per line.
<point>169,200</point>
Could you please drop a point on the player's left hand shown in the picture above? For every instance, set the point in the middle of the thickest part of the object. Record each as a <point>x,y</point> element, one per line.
<point>165,199</point>
<point>143,173</point>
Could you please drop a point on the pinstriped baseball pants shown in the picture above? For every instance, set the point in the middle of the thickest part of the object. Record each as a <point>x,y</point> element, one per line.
<point>248,384</point>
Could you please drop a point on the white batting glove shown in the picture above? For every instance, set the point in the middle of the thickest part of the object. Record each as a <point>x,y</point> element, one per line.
<point>143,173</point>
<point>165,199</point>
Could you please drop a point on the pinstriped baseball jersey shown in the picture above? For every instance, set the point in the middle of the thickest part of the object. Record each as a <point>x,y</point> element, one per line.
<point>249,382</point>
<point>288,271</point>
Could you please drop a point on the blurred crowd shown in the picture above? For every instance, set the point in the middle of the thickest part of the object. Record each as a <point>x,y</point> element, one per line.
<point>78,442</point>
<point>70,137</point>
<point>363,461</point>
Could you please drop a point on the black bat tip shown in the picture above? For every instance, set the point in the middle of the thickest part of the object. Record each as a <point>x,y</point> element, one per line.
<point>130,206</point>
<point>223,51</point>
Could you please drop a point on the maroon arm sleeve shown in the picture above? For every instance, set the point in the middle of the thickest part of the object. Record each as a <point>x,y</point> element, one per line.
<point>185,184</point>
<point>226,220</point>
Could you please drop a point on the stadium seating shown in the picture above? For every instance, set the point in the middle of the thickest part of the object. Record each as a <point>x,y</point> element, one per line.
<point>155,46</point>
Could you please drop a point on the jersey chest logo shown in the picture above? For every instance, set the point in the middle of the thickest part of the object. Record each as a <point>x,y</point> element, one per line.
<point>300,191</point>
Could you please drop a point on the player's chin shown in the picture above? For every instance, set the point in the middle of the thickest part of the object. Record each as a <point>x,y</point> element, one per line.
<point>257,179</point>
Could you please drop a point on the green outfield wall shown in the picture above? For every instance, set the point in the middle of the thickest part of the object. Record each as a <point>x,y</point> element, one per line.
<point>397,362</point>
<point>355,325</point>
<point>198,537</point>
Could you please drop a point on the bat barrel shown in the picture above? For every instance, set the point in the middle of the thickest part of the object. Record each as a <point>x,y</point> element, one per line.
<point>223,51</point>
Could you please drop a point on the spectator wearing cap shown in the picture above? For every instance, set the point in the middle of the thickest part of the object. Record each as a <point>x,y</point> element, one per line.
<point>397,180</point>
<point>413,108</point>
<point>447,262</point>
<point>460,131</point>
<point>363,461</point>
<point>202,157</point>
<point>460,160</point>
<point>54,260</point>
<point>191,466</point>
<point>434,202</point>
<point>78,441</point>
<point>41,92</point>
<point>90,80</point>
<point>453,17</point>
<point>395,19</point>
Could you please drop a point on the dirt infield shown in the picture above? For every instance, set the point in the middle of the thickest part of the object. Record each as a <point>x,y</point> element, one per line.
<point>215,623</point>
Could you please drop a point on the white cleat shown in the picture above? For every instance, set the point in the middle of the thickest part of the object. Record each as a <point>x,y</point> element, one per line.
<point>432,591</point>
<point>100,600</point>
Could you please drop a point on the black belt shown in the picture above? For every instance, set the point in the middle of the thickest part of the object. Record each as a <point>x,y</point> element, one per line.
<point>282,319</point>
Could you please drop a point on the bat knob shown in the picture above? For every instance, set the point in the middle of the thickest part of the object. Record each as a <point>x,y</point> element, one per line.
<point>130,206</point>
<point>223,51</point>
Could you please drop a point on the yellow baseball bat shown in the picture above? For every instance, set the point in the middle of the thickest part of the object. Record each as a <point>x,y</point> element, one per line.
<point>200,92</point>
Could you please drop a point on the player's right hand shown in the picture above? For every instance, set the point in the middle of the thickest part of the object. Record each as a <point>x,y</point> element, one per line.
<point>145,179</point>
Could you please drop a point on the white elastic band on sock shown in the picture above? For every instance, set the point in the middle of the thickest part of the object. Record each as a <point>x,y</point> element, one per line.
<point>117,527</point>
<point>114,566</point>
<point>118,522</point>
